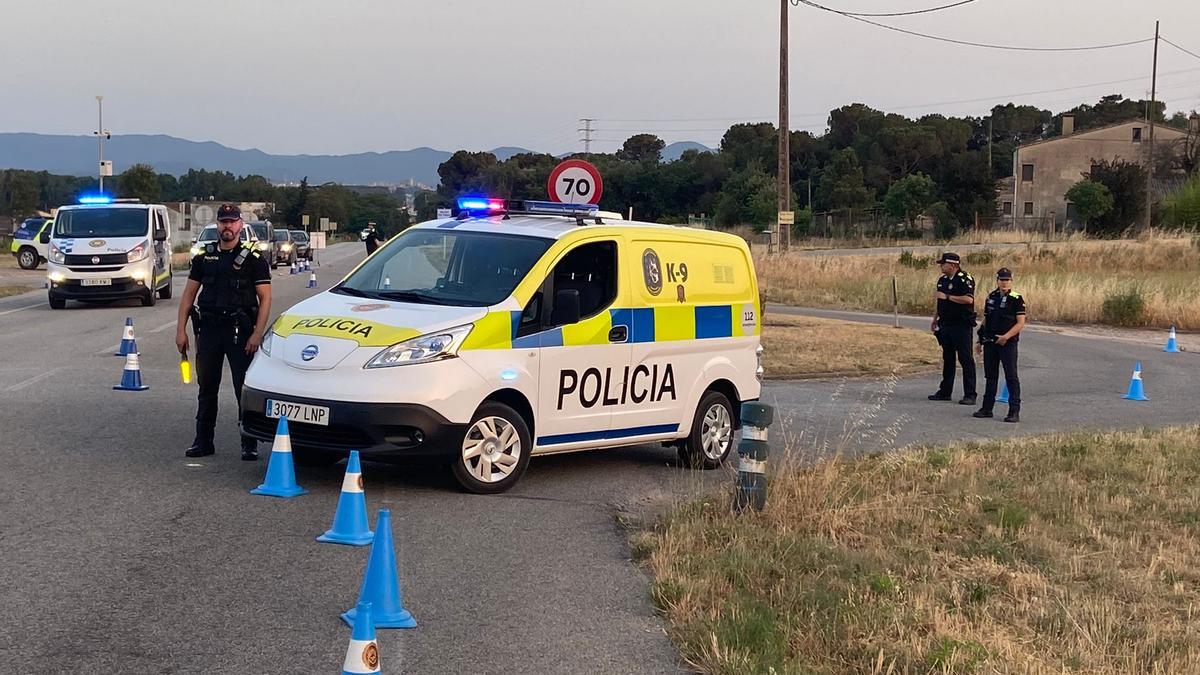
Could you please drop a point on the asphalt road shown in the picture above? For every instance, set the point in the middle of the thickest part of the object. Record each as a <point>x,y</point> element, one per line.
<point>121,555</point>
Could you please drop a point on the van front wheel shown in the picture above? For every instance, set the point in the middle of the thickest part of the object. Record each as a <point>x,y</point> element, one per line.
<point>494,451</point>
<point>711,439</point>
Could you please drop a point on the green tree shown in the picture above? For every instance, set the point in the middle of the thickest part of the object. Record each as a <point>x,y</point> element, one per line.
<point>841,183</point>
<point>1183,206</point>
<point>945,223</point>
<point>1126,182</point>
<point>642,148</point>
<point>141,182</point>
<point>749,197</point>
<point>908,197</point>
<point>744,144</point>
<point>1091,199</point>
<point>466,172</point>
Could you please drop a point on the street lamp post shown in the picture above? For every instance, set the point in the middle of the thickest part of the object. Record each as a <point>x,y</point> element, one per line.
<point>101,134</point>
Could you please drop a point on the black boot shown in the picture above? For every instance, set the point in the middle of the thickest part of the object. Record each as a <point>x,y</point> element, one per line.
<point>1014,415</point>
<point>939,396</point>
<point>200,449</point>
<point>967,400</point>
<point>249,449</point>
<point>982,414</point>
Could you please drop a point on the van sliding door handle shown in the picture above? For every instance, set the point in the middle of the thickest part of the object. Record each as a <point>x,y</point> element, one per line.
<point>618,334</point>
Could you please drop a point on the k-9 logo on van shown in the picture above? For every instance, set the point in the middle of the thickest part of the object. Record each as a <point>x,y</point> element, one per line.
<point>652,271</point>
<point>647,383</point>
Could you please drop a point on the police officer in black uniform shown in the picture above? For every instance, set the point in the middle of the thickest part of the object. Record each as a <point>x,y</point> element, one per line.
<point>952,325</point>
<point>1003,319</point>
<point>371,238</point>
<point>233,282</point>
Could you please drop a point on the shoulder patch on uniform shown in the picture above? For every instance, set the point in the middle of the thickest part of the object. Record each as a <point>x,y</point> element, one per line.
<point>1014,294</point>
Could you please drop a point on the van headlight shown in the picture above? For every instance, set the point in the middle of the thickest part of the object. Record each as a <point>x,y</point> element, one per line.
<point>196,251</point>
<point>139,252</point>
<point>286,247</point>
<point>265,347</point>
<point>56,255</point>
<point>422,349</point>
<point>262,246</point>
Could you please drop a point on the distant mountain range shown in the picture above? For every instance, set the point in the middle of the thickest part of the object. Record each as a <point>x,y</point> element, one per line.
<point>76,156</point>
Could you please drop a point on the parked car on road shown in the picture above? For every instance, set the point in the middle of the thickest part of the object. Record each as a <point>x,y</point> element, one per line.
<point>285,248</point>
<point>302,244</point>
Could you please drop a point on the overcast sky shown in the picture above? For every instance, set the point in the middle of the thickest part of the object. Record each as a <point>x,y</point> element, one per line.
<point>371,75</point>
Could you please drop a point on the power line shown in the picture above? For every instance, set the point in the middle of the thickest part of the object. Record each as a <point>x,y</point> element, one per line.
<point>910,13</point>
<point>1185,51</point>
<point>977,44</point>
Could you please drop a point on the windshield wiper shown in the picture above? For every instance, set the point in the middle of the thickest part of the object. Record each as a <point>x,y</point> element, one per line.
<point>346,290</point>
<point>413,296</point>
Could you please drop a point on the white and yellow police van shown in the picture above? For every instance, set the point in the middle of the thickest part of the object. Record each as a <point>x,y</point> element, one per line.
<point>106,249</point>
<point>501,334</point>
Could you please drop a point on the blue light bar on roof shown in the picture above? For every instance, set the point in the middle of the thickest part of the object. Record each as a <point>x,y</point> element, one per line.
<point>481,204</point>
<point>95,199</point>
<point>557,208</point>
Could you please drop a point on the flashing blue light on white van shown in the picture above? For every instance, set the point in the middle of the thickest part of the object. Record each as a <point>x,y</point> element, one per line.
<point>95,199</point>
<point>480,204</point>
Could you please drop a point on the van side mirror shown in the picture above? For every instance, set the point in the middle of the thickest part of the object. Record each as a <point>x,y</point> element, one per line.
<point>44,237</point>
<point>160,234</point>
<point>566,307</point>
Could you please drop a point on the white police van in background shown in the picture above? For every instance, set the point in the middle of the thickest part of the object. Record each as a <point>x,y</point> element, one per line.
<point>504,333</point>
<point>103,249</point>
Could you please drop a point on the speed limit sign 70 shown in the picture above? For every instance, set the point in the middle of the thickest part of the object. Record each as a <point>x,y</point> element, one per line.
<point>575,181</point>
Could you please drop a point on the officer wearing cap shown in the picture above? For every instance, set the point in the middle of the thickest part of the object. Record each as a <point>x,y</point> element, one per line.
<point>1003,319</point>
<point>229,317</point>
<point>952,325</point>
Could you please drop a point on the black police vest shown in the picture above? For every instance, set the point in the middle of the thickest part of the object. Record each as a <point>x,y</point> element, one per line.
<point>228,281</point>
<point>999,315</point>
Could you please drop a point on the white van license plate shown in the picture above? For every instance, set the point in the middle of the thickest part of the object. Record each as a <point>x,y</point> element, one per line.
<point>95,282</point>
<point>298,412</point>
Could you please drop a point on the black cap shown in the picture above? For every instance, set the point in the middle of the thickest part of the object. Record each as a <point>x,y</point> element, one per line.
<point>1004,274</point>
<point>229,212</point>
<point>949,258</point>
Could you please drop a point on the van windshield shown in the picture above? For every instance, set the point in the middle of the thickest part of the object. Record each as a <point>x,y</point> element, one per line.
<point>106,222</point>
<point>260,230</point>
<point>440,267</point>
<point>209,234</point>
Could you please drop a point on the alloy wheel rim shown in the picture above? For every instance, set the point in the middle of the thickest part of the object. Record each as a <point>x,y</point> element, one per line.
<point>491,449</point>
<point>716,432</point>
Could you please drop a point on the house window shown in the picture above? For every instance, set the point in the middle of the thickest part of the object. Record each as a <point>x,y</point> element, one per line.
<point>1137,134</point>
<point>1027,173</point>
<point>1029,208</point>
<point>1008,208</point>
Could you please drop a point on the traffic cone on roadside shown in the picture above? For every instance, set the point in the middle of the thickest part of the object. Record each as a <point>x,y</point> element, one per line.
<point>381,584</point>
<point>312,279</point>
<point>131,376</point>
<point>362,654</point>
<point>128,344</point>
<point>1136,392</point>
<point>293,269</point>
<point>350,524</point>
<point>281,474</point>
<point>1003,397</point>
<point>1172,347</point>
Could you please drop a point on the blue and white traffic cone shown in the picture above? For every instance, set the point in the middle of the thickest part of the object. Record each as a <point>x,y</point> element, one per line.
<point>281,474</point>
<point>350,524</point>
<point>1172,347</point>
<point>381,584</point>
<point>312,279</point>
<point>1003,397</point>
<point>128,344</point>
<point>362,654</point>
<point>387,283</point>
<point>1136,391</point>
<point>292,267</point>
<point>131,377</point>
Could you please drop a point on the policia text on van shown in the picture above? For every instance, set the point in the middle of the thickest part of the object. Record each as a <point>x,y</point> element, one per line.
<point>489,338</point>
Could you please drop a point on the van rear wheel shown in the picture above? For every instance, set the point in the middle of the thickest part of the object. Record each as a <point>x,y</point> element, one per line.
<point>28,258</point>
<point>711,438</point>
<point>495,450</point>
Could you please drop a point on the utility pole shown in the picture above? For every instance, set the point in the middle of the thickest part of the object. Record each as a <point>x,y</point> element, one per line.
<point>587,134</point>
<point>101,134</point>
<point>989,147</point>
<point>1150,115</point>
<point>785,183</point>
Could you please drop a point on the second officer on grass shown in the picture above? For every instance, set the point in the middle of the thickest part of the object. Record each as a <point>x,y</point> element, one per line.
<point>1003,319</point>
<point>952,325</point>
<point>230,316</point>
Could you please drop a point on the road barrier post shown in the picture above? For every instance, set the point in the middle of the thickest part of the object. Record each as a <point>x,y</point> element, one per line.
<point>750,490</point>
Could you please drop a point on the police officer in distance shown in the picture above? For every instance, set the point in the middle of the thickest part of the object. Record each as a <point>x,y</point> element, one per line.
<point>1003,319</point>
<point>233,282</point>
<point>371,238</point>
<point>952,325</point>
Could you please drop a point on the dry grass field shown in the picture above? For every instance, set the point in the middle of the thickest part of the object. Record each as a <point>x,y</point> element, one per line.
<point>1149,282</point>
<point>1061,554</point>
<point>797,347</point>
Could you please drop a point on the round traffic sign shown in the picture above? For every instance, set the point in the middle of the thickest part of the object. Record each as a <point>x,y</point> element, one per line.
<point>575,181</point>
<point>202,215</point>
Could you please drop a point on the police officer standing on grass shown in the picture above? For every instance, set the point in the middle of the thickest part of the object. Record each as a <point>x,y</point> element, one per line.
<point>230,316</point>
<point>1003,319</point>
<point>952,325</point>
